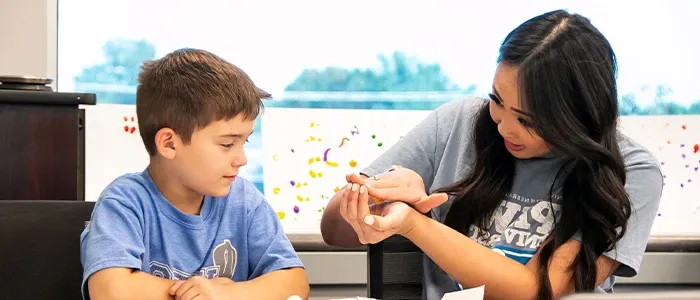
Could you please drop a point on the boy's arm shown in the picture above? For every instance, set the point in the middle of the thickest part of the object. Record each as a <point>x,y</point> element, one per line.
<point>280,284</point>
<point>125,283</point>
<point>271,257</point>
<point>111,251</point>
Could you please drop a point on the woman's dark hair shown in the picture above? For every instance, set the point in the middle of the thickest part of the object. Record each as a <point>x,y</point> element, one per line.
<point>566,78</point>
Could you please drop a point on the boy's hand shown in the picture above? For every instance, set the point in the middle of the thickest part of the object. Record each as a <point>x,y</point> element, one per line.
<point>222,280</point>
<point>200,288</point>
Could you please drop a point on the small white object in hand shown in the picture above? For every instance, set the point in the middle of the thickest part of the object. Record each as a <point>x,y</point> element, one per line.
<point>294,297</point>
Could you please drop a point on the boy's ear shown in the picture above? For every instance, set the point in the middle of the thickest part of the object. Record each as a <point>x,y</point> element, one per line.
<point>167,142</point>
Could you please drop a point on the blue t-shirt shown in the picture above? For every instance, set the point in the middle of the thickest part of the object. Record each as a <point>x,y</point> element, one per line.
<point>133,226</point>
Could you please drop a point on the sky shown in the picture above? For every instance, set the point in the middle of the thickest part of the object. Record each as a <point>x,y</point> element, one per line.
<point>273,41</point>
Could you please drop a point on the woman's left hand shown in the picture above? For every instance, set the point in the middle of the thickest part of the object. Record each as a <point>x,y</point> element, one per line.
<point>374,223</point>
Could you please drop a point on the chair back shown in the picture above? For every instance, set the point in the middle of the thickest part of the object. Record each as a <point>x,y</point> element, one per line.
<point>394,270</point>
<point>40,248</point>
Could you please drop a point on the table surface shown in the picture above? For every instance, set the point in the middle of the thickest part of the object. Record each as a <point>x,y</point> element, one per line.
<point>314,242</point>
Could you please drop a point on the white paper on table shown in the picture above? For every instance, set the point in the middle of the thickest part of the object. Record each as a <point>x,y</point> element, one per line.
<point>476,293</point>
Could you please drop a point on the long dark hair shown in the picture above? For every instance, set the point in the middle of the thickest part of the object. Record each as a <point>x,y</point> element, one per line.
<point>567,73</point>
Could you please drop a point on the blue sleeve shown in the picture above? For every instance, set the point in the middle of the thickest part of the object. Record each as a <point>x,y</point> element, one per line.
<point>113,238</point>
<point>268,247</point>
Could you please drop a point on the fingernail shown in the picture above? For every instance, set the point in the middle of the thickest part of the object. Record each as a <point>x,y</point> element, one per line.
<point>354,187</point>
<point>349,186</point>
<point>369,220</point>
<point>362,189</point>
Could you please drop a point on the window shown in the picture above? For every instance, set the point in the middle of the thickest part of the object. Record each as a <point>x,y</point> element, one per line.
<point>360,55</point>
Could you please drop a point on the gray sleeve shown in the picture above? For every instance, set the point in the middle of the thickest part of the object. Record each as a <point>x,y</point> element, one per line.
<point>415,150</point>
<point>644,186</point>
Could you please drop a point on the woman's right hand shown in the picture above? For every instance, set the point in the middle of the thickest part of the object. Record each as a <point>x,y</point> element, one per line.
<point>400,184</point>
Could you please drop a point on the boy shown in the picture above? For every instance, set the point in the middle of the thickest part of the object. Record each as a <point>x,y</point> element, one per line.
<point>187,227</point>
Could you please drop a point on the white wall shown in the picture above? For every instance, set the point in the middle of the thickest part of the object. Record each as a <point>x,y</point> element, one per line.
<point>28,33</point>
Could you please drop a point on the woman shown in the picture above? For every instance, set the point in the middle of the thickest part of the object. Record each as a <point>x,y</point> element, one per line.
<point>546,196</point>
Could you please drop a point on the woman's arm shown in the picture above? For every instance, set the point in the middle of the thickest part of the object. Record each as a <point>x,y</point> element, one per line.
<point>503,277</point>
<point>334,229</point>
<point>415,150</point>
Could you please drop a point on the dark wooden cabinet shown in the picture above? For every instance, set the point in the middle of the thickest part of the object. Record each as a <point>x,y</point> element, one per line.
<point>42,150</point>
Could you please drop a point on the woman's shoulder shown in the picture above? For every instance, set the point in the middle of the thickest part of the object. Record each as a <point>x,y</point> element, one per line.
<point>460,108</point>
<point>457,116</point>
<point>635,154</point>
<point>644,180</point>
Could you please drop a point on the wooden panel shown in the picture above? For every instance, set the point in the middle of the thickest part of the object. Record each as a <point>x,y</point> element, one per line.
<point>39,152</point>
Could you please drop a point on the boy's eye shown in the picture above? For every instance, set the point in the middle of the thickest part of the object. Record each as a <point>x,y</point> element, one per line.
<point>227,145</point>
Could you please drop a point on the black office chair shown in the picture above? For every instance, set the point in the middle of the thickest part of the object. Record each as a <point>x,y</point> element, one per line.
<point>394,270</point>
<point>40,248</point>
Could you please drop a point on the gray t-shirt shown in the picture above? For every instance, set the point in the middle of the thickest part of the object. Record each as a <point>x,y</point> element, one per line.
<point>439,150</point>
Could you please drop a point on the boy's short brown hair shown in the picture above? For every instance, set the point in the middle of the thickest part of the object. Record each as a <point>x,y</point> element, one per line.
<point>189,89</point>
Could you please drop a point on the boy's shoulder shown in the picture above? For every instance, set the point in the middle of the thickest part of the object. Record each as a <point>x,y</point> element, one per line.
<point>135,190</point>
<point>128,189</point>
<point>244,194</point>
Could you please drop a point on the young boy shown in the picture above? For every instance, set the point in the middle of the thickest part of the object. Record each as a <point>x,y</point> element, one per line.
<point>187,227</point>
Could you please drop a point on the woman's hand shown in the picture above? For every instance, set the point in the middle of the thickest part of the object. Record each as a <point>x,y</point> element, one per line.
<point>400,184</point>
<point>376,222</point>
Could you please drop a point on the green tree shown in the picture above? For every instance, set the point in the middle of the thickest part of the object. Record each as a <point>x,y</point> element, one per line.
<point>628,105</point>
<point>694,108</point>
<point>397,73</point>
<point>123,59</point>
<point>662,105</point>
